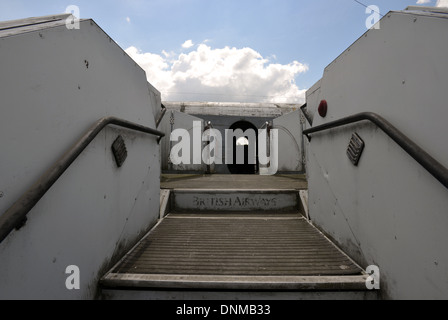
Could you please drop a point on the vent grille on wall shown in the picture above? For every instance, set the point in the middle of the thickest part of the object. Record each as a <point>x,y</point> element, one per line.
<point>119,150</point>
<point>355,149</point>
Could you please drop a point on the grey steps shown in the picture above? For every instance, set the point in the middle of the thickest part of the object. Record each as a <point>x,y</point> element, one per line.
<point>217,282</point>
<point>178,287</point>
<point>283,255</point>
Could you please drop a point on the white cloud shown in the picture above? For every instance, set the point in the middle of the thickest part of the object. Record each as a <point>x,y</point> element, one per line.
<point>222,75</point>
<point>128,20</point>
<point>439,3</point>
<point>156,67</point>
<point>187,44</point>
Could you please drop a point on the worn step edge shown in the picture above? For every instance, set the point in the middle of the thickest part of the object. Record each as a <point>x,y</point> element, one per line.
<point>198,282</point>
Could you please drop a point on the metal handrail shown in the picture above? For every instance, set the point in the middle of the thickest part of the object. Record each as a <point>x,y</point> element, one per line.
<point>15,216</point>
<point>160,116</point>
<point>421,156</point>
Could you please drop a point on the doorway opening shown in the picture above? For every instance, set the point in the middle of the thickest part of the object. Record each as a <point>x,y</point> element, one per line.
<point>244,142</point>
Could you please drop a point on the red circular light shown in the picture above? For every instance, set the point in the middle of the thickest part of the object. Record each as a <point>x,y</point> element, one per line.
<point>323,108</point>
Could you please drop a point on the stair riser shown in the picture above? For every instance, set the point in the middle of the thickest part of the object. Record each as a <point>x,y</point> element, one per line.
<point>234,201</point>
<point>111,294</point>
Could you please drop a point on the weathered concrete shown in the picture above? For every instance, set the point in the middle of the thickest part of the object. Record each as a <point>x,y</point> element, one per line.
<point>224,115</point>
<point>110,294</point>
<point>55,84</point>
<point>240,182</point>
<point>387,211</point>
<point>269,110</point>
<point>177,120</point>
<point>290,142</point>
<point>248,256</point>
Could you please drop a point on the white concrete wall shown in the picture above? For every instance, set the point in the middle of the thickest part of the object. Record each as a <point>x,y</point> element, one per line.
<point>388,211</point>
<point>289,142</point>
<point>55,83</point>
<point>181,121</point>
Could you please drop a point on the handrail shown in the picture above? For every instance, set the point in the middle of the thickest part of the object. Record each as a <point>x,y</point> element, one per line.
<point>421,156</point>
<point>15,216</point>
<point>161,115</point>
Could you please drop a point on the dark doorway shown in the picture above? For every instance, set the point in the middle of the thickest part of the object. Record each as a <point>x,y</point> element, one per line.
<point>244,142</point>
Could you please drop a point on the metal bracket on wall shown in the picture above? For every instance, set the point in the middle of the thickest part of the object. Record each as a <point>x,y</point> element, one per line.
<point>119,150</point>
<point>355,149</point>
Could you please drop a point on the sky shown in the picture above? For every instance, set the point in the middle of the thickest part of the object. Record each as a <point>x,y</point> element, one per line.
<point>226,50</point>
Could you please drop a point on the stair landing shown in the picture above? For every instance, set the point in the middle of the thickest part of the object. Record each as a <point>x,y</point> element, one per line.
<point>233,182</point>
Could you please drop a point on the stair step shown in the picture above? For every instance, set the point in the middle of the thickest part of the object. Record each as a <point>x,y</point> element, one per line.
<point>216,282</point>
<point>239,253</point>
<point>198,200</point>
<point>240,295</point>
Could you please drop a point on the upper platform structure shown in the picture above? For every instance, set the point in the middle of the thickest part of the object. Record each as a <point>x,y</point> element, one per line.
<point>222,116</point>
<point>15,27</point>
<point>432,11</point>
<point>233,109</point>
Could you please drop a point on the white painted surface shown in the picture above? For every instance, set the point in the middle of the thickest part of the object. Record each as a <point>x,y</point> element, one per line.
<point>388,211</point>
<point>155,103</point>
<point>186,122</point>
<point>164,202</point>
<point>289,142</point>
<point>55,83</point>
<point>304,202</point>
<point>34,21</point>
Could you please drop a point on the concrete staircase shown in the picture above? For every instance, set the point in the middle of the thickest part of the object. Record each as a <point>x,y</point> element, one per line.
<point>235,244</point>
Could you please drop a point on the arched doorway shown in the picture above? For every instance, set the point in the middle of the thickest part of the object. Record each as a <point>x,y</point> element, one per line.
<point>245,142</point>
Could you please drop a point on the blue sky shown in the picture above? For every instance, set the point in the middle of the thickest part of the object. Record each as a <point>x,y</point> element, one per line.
<point>310,32</point>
